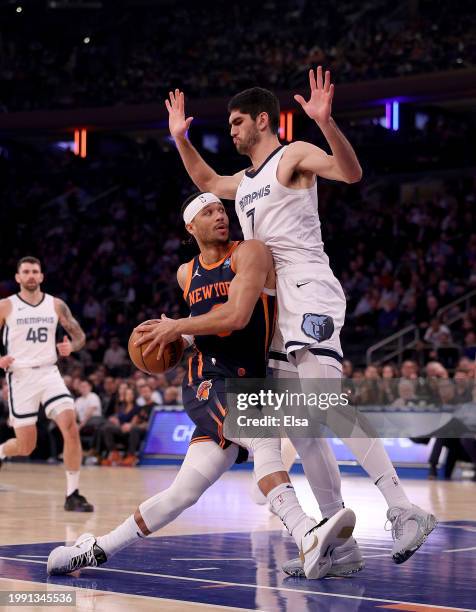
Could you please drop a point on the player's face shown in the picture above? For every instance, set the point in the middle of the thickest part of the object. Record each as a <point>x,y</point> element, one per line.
<point>29,277</point>
<point>244,131</point>
<point>211,225</point>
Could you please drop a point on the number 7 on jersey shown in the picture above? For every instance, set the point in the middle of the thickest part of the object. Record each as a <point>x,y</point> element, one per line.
<point>251,213</point>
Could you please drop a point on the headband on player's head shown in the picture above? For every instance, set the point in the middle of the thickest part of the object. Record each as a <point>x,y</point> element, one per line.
<point>196,205</point>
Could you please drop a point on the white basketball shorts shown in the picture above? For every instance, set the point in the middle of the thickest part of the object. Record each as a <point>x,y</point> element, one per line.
<point>311,313</point>
<point>28,388</point>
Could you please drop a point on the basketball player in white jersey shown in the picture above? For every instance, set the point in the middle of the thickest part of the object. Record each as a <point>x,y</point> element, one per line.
<point>29,320</point>
<point>276,202</point>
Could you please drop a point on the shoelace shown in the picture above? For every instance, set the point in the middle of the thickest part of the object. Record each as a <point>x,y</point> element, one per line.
<point>316,526</point>
<point>83,560</point>
<point>396,526</point>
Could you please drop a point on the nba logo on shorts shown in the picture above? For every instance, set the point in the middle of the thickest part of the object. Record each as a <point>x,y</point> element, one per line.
<point>319,327</point>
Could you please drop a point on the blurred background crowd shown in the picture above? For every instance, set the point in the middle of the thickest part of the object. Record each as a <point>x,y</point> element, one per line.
<point>134,52</point>
<point>106,225</point>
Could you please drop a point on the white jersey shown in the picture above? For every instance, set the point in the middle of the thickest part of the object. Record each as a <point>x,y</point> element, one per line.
<point>285,219</point>
<point>29,333</point>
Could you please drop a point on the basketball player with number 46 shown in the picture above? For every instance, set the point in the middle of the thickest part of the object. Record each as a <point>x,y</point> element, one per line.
<point>29,320</point>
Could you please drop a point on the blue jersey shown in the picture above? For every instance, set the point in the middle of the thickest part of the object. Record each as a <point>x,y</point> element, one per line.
<point>230,354</point>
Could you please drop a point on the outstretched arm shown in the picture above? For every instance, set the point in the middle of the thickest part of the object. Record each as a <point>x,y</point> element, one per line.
<point>66,319</point>
<point>252,262</point>
<point>343,164</point>
<point>204,177</point>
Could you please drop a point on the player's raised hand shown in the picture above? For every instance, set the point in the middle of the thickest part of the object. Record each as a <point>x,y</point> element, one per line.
<point>178,124</point>
<point>65,348</point>
<point>319,105</point>
<point>6,361</point>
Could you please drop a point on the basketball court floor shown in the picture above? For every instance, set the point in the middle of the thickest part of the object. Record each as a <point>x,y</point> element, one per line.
<point>226,552</point>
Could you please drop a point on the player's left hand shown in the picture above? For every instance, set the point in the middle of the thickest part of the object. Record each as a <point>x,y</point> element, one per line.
<point>65,348</point>
<point>319,105</point>
<point>158,333</point>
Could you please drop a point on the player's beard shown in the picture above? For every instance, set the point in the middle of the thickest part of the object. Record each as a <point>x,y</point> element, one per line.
<point>251,140</point>
<point>30,287</point>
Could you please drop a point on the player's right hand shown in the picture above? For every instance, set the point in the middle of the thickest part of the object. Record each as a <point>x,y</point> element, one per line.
<point>178,125</point>
<point>6,361</point>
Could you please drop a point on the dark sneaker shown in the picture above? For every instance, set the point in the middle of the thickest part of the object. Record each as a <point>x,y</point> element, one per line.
<point>77,503</point>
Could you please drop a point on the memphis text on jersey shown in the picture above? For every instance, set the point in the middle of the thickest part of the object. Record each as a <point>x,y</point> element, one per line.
<point>249,198</point>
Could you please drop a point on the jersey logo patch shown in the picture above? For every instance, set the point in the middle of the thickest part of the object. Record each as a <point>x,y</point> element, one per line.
<point>203,391</point>
<point>227,263</point>
<point>196,273</point>
<point>319,327</point>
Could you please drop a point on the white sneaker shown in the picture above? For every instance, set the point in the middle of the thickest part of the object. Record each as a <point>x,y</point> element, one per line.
<point>318,543</point>
<point>345,560</point>
<point>410,528</point>
<point>84,553</point>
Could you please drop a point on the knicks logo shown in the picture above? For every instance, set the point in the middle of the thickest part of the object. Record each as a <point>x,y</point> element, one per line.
<point>319,327</point>
<point>203,391</point>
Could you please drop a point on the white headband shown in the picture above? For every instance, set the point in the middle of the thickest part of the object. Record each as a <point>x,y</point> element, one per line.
<point>196,205</point>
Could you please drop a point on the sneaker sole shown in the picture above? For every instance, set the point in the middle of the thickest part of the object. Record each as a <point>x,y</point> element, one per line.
<point>339,533</point>
<point>400,558</point>
<point>336,571</point>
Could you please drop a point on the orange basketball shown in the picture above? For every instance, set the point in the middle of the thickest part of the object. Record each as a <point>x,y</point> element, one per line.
<point>150,364</point>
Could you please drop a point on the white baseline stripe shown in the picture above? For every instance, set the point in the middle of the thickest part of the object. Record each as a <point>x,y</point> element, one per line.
<point>212,559</point>
<point>252,586</point>
<point>202,569</point>
<point>460,549</point>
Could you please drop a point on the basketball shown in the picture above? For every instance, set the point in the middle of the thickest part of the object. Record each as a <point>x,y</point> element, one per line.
<point>150,364</point>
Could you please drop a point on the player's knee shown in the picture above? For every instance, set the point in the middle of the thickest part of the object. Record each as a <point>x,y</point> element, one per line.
<point>267,456</point>
<point>185,498</point>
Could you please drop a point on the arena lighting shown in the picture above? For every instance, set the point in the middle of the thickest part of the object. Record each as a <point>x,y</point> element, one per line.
<point>19,9</point>
<point>286,126</point>
<point>392,115</point>
<point>80,142</point>
<point>395,115</point>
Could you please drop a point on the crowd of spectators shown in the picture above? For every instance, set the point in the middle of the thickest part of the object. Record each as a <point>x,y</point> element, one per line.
<point>124,54</point>
<point>113,412</point>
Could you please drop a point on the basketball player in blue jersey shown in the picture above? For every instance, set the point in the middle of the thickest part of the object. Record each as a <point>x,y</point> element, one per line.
<point>29,320</point>
<point>229,288</point>
<point>276,202</point>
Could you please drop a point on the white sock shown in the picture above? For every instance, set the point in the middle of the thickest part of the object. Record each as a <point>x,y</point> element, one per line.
<point>372,456</point>
<point>2,452</point>
<point>284,502</point>
<point>120,537</point>
<point>72,482</point>
<point>391,488</point>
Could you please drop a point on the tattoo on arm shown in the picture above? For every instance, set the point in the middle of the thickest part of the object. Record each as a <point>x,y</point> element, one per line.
<point>78,337</point>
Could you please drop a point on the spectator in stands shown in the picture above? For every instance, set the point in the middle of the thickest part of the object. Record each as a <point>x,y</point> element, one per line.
<point>389,384</point>
<point>115,358</point>
<point>469,349</point>
<point>89,413</point>
<point>406,395</point>
<point>116,429</point>
<point>150,383</point>
<point>109,395</point>
<point>437,333</point>
<point>139,425</point>
<point>171,395</point>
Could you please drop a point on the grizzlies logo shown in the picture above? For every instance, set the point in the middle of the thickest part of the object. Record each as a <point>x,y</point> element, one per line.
<point>203,390</point>
<point>319,327</point>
